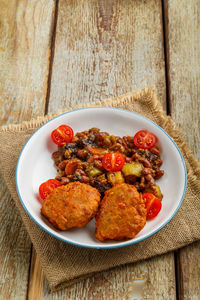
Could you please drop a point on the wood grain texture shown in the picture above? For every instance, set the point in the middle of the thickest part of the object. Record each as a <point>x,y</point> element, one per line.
<point>106,48</point>
<point>118,283</point>
<point>25,37</point>
<point>183,55</point>
<point>14,250</point>
<point>184,67</point>
<point>36,279</point>
<point>24,63</point>
<point>102,49</point>
<point>189,272</point>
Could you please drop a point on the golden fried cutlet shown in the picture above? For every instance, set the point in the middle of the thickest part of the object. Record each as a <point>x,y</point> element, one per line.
<point>71,205</point>
<point>122,213</point>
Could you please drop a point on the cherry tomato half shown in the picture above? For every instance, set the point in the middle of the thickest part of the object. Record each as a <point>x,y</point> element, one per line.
<point>113,162</point>
<point>144,139</point>
<point>47,187</point>
<point>153,205</point>
<point>62,135</point>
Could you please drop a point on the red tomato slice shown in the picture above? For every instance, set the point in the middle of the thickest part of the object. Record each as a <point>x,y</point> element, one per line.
<point>153,205</point>
<point>62,135</point>
<point>113,162</point>
<point>47,187</point>
<point>144,139</point>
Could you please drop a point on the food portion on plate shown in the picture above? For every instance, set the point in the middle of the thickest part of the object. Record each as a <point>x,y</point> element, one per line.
<point>102,175</point>
<point>71,205</point>
<point>121,215</point>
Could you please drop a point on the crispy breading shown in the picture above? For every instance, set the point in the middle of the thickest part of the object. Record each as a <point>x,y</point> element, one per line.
<point>122,213</point>
<point>71,205</point>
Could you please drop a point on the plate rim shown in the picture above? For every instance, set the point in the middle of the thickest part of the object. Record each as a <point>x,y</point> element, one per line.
<point>101,247</point>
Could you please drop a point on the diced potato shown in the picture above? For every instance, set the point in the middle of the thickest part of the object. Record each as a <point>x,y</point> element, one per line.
<point>119,177</point>
<point>94,172</point>
<point>133,168</point>
<point>155,190</point>
<point>115,178</point>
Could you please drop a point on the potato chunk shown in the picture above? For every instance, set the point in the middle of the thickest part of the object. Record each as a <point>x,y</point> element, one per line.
<point>115,178</point>
<point>133,168</point>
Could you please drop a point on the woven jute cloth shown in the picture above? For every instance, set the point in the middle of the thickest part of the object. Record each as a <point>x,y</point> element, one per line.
<point>65,264</point>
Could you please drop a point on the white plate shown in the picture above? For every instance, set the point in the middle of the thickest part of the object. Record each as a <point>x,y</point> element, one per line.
<point>35,166</point>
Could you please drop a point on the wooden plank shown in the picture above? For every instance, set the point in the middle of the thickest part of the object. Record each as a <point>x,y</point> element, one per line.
<point>36,279</point>
<point>106,48</point>
<point>102,49</point>
<point>24,62</point>
<point>183,52</point>
<point>14,249</point>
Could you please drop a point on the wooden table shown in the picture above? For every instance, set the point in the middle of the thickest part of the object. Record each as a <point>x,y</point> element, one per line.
<point>59,53</point>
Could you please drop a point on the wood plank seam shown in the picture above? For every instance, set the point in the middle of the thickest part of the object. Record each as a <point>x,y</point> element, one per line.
<point>168,105</point>
<point>29,271</point>
<point>178,276</point>
<point>51,54</point>
<point>166,52</point>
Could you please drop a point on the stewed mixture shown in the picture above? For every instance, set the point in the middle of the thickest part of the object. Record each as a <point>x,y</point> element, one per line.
<point>104,160</point>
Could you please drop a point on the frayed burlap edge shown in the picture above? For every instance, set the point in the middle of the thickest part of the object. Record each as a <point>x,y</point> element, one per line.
<point>39,121</point>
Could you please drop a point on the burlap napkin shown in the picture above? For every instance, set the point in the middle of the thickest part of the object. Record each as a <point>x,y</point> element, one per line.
<point>65,264</point>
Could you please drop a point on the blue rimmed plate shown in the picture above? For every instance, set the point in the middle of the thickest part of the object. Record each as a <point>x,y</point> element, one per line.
<point>35,166</point>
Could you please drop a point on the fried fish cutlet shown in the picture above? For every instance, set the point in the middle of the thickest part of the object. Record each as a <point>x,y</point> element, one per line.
<point>122,213</point>
<point>71,205</point>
